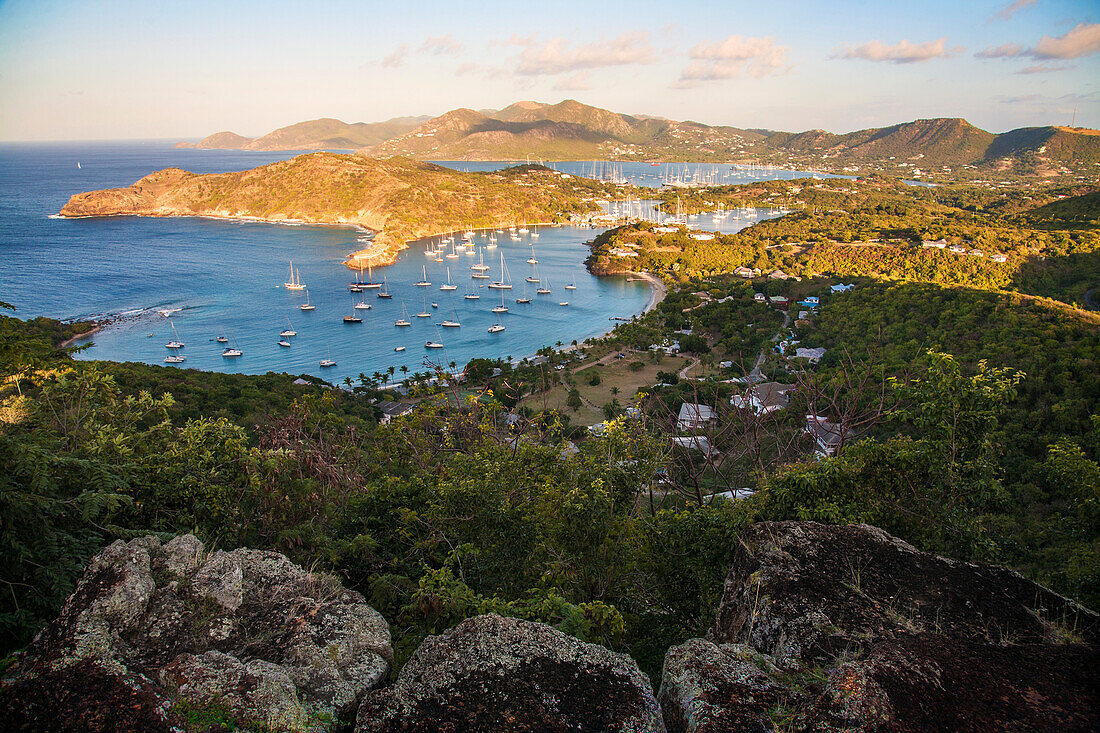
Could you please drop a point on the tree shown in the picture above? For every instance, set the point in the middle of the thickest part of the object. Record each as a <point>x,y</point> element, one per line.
<point>573,401</point>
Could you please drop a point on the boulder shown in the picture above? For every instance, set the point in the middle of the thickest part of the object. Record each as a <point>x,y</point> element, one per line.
<point>494,673</point>
<point>711,688</point>
<point>165,631</point>
<point>848,628</point>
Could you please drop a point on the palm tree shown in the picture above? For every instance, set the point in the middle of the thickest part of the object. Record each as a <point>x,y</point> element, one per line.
<point>404,370</point>
<point>347,382</point>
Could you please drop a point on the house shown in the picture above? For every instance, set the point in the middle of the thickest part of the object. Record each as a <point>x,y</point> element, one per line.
<point>743,272</point>
<point>735,494</point>
<point>937,243</point>
<point>693,416</point>
<point>998,258</point>
<point>957,249</point>
<point>620,252</point>
<point>391,409</point>
<point>764,398</point>
<point>841,288</point>
<point>976,253</point>
<point>777,275</point>
<point>780,302</point>
<point>300,382</point>
<point>695,442</point>
<point>828,436</point>
<point>665,230</point>
<point>813,355</point>
<point>759,297</point>
<point>810,301</point>
<point>702,236</point>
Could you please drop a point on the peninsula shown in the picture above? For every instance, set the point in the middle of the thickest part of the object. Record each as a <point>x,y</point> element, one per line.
<point>397,198</point>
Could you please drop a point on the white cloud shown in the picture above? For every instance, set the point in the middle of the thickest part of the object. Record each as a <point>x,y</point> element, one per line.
<point>1081,41</point>
<point>558,55</point>
<point>397,58</point>
<point>1042,69</point>
<point>575,83</point>
<point>733,57</point>
<point>1009,10</point>
<point>1004,51</point>
<point>441,45</point>
<point>902,52</point>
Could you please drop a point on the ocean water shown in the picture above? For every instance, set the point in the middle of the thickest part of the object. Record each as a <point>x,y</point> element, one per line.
<point>226,277</point>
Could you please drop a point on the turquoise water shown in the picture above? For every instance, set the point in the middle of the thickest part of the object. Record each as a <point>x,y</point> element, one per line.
<point>226,277</point>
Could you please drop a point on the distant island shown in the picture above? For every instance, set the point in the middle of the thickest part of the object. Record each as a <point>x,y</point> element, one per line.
<point>398,198</point>
<point>570,130</point>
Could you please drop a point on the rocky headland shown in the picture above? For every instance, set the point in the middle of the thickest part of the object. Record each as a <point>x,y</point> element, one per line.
<point>399,199</point>
<point>819,628</point>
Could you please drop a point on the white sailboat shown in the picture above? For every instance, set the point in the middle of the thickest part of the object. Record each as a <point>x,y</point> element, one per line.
<point>452,322</point>
<point>480,266</point>
<point>231,352</point>
<point>448,285</point>
<point>500,308</point>
<point>328,361</point>
<point>424,281</point>
<point>524,298</point>
<point>287,332</point>
<point>404,319</point>
<point>175,359</point>
<point>471,295</point>
<point>385,291</point>
<point>307,306</point>
<point>424,313</point>
<point>370,284</point>
<point>175,342</point>
<point>572,285</point>
<point>545,289</point>
<point>502,283</point>
<point>295,282</point>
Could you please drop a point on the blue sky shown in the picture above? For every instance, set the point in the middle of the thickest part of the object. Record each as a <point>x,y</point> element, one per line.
<point>126,69</point>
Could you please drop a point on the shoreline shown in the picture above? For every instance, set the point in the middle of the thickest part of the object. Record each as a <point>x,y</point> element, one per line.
<point>79,337</point>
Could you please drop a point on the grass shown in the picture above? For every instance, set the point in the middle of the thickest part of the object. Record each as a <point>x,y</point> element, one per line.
<point>614,374</point>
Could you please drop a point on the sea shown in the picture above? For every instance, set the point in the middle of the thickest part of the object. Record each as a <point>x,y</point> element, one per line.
<point>216,278</point>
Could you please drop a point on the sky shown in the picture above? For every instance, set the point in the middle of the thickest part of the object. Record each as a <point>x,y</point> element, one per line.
<point>125,69</point>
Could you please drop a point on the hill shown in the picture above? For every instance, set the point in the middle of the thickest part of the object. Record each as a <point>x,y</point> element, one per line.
<point>398,198</point>
<point>324,133</point>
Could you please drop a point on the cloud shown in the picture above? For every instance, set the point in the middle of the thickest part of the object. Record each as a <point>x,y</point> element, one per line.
<point>441,45</point>
<point>1004,51</point>
<point>487,72</point>
<point>1081,41</point>
<point>731,58</point>
<point>558,55</point>
<point>397,58</point>
<point>575,83</point>
<point>1009,10</point>
<point>1042,69</point>
<point>902,52</point>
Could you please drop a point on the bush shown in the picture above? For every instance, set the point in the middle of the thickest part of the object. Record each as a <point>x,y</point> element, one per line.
<point>637,366</point>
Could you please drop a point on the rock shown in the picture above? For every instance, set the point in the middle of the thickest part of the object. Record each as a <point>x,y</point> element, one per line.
<point>494,673</point>
<point>168,629</point>
<point>872,634</point>
<point>707,687</point>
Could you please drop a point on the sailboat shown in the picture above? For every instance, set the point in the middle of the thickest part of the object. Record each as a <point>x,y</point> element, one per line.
<point>424,313</point>
<point>175,343</point>
<point>424,281</point>
<point>471,295</point>
<point>362,305</point>
<point>480,266</point>
<point>535,233</point>
<point>452,322</point>
<point>531,260</point>
<point>231,352</point>
<point>448,285</point>
<point>434,344</point>
<point>496,327</point>
<point>545,289</point>
<point>307,306</point>
<point>221,339</point>
<point>500,308</point>
<point>354,317</point>
<point>452,255</point>
<point>533,278</point>
<point>503,283</point>
<point>284,343</point>
<point>573,284</point>
<point>370,284</point>
<point>492,241</point>
<point>328,361</point>
<point>404,319</point>
<point>385,291</point>
<point>285,333</point>
<point>357,286</point>
<point>175,359</point>
<point>524,299</point>
<point>295,282</point>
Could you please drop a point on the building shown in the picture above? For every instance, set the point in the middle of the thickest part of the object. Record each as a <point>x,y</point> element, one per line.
<point>958,249</point>
<point>780,302</point>
<point>759,297</point>
<point>937,243</point>
<point>696,442</point>
<point>694,417</point>
<point>743,272</point>
<point>976,253</point>
<point>828,436</point>
<point>811,301</point>
<point>813,355</point>
<point>734,495</point>
<point>998,258</point>
<point>620,252</point>
<point>764,398</point>
<point>777,275</point>
<point>841,288</point>
<point>702,236</point>
<point>391,409</point>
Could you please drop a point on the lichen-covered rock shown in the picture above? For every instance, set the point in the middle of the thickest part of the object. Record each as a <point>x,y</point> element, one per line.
<point>161,628</point>
<point>491,673</point>
<point>714,688</point>
<point>906,640</point>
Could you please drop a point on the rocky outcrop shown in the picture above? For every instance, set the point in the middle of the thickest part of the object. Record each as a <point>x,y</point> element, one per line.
<point>494,673</point>
<point>857,630</point>
<point>156,634</point>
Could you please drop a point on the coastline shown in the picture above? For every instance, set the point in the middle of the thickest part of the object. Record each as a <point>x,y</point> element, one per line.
<point>79,337</point>
<point>659,289</point>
